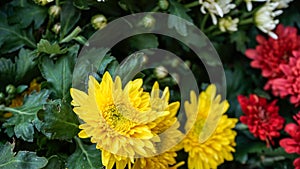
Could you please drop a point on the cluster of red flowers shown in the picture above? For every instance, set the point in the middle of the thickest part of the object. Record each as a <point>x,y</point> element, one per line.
<point>279,60</point>
<point>261,117</point>
<point>292,145</point>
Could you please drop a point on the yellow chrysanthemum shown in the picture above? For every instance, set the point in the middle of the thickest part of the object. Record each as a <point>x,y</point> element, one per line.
<point>167,128</point>
<point>118,120</point>
<point>218,146</point>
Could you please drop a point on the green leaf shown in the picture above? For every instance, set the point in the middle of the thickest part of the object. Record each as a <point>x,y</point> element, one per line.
<point>279,152</point>
<point>23,159</point>
<point>25,117</point>
<point>59,120</point>
<point>245,146</point>
<point>69,16</point>
<point>24,63</point>
<point>34,13</point>
<point>88,62</point>
<point>130,67</point>
<point>240,39</point>
<point>174,22</point>
<point>88,154</point>
<point>13,73</point>
<point>20,89</point>
<point>143,41</point>
<point>105,63</point>
<point>13,37</point>
<point>7,72</point>
<point>81,4</point>
<point>59,74</point>
<point>55,162</point>
<point>46,47</point>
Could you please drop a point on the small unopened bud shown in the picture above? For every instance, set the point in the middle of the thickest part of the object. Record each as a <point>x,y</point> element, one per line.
<point>187,64</point>
<point>43,2</point>
<point>148,21</point>
<point>163,4</point>
<point>2,97</point>
<point>56,28</point>
<point>175,63</point>
<point>99,21</point>
<point>54,11</point>
<point>175,77</point>
<point>160,72</point>
<point>10,89</point>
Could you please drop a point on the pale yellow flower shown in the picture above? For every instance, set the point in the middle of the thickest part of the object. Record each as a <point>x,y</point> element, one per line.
<point>228,24</point>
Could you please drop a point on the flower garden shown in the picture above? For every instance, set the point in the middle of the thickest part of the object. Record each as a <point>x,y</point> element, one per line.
<point>67,100</point>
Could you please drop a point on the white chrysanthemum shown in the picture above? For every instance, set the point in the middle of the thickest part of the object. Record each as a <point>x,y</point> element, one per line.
<point>228,24</point>
<point>282,3</point>
<point>216,7</point>
<point>265,20</point>
<point>249,3</point>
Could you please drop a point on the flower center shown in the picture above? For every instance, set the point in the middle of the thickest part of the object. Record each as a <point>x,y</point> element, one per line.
<point>199,126</point>
<point>117,119</point>
<point>262,114</point>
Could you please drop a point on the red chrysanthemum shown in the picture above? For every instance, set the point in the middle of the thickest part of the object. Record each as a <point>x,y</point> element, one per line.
<point>261,117</point>
<point>271,52</point>
<point>289,84</point>
<point>292,144</point>
<point>297,163</point>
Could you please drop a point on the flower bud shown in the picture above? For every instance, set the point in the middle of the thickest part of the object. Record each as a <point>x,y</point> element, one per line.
<point>160,72</point>
<point>188,64</point>
<point>10,89</point>
<point>56,28</point>
<point>175,78</point>
<point>42,2</point>
<point>8,101</point>
<point>2,97</point>
<point>99,21</point>
<point>163,4</point>
<point>148,21</point>
<point>175,63</point>
<point>54,10</point>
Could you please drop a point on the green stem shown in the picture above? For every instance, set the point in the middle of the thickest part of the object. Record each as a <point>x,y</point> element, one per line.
<point>210,28</point>
<point>57,2</point>
<point>246,21</point>
<point>51,19</point>
<point>192,4</point>
<point>74,33</point>
<point>217,33</point>
<point>155,9</point>
<point>203,22</point>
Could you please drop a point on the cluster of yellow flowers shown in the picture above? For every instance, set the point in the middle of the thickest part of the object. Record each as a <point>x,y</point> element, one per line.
<point>138,129</point>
